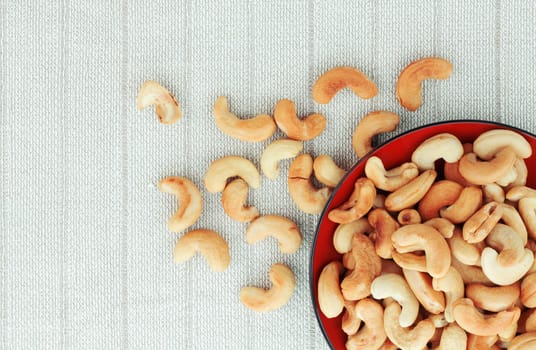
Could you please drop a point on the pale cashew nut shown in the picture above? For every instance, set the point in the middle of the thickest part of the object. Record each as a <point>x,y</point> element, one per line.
<point>412,192</point>
<point>371,125</point>
<point>405,338</point>
<point>441,194</point>
<point>507,334</point>
<point>276,151</point>
<point>453,337</point>
<point>233,199</point>
<point>408,217</point>
<point>330,298</point>
<point>335,79</point>
<point>262,300</point>
<point>443,226</point>
<point>525,341</point>
<point>527,209</point>
<point>209,243</point>
<point>522,172</point>
<point>222,169</point>
<point>326,171</point>
<point>167,109</point>
<point>372,334</point>
<point>409,84</point>
<point>473,321</point>
<point>284,230</point>
<point>470,274</point>
<point>287,120</point>
<point>394,286</point>
<point>342,237</point>
<point>502,275</point>
<point>466,253</point>
<point>420,284</point>
<point>512,218</point>
<point>489,143</point>
<point>493,299</point>
<point>384,226</point>
<point>350,322</point>
<point>508,242</point>
<point>307,198</point>
<point>485,172</point>
<point>528,290</point>
<point>359,203</point>
<point>468,202</point>
<point>255,129</point>
<point>477,342</point>
<point>410,261</point>
<point>441,146</point>
<point>452,285</point>
<point>480,224</point>
<point>389,180</point>
<point>518,192</point>
<point>508,178</point>
<point>189,198</point>
<point>493,193</point>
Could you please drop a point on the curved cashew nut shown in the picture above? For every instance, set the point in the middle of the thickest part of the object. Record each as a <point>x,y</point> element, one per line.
<point>512,218</point>
<point>408,217</point>
<point>404,338</point>
<point>485,172</point>
<point>509,177</point>
<point>326,171</point>
<point>508,242</point>
<point>527,209</point>
<point>493,193</point>
<point>394,286</point>
<point>525,341</point>
<point>408,86</point>
<point>493,299</point>
<point>528,290</point>
<point>389,180</point>
<point>441,194</point>
<point>371,125</point>
<point>350,322</point>
<point>453,337</point>
<point>287,120</point>
<point>473,321</point>
<point>452,285</point>
<point>470,274</point>
<point>167,109</point>
<point>221,169</point>
<point>412,192</point>
<point>522,173</point>
<point>489,143</point>
<point>335,79</point>
<point>480,224</point>
<point>262,300</point>
<point>466,253</point>
<point>518,192</point>
<point>209,243</point>
<point>477,342</point>
<point>306,197</point>
<point>330,298</point>
<point>233,199</point>
<point>276,151</point>
<point>468,202</point>
<point>342,237</point>
<point>258,128</point>
<point>384,226</point>
<point>359,203</point>
<point>410,261</point>
<point>502,275</point>
<point>284,230</point>
<point>420,284</point>
<point>443,226</point>
<point>372,334</point>
<point>189,198</point>
<point>441,146</point>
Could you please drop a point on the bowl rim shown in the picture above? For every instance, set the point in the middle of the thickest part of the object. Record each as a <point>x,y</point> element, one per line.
<point>351,170</point>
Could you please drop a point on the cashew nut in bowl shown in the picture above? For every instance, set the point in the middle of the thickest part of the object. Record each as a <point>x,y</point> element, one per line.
<point>359,203</point>
<point>527,209</point>
<point>326,171</point>
<point>453,337</point>
<point>222,169</point>
<point>412,192</point>
<point>255,129</point>
<point>512,218</point>
<point>528,290</point>
<point>451,170</point>
<point>508,242</point>
<point>209,243</point>
<point>350,322</point>
<point>330,298</point>
<point>485,172</point>
<point>394,286</point>
<point>452,286</point>
<point>421,285</point>
<point>409,84</point>
<point>342,237</point>
<point>493,193</point>
<point>502,275</point>
<point>467,203</point>
<point>371,335</point>
<point>518,192</point>
<point>408,217</point>
<point>389,180</point>
<point>276,151</point>
<point>480,224</point>
<point>525,341</point>
<point>189,198</point>
<point>527,321</point>
<point>287,120</point>
<point>466,253</point>
<point>508,178</point>
<point>335,79</point>
<point>443,226</point>
<point>307,198</point>
<point>403,337</point>
<point>262,300</point>
<point>522,172</point>
<point>371,125</point>
<point>233,199</point>
<point>441,146</point>
<point>167,109</point>
<point>441,194</point>
<point>284,230</point>
<point>409,261</point>
<point>473,321</point>
<point>470,274</point>
<point>489,143</point>
<point>477,342</point>
<point>384,226</point>
<point>493,299</point>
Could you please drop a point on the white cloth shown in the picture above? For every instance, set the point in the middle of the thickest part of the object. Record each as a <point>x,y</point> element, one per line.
<point>86,259</point>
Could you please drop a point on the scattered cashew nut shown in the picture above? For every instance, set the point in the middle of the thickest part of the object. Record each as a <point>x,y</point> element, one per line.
<point>209,243</point>
<point>326,171</point>
<point>371,125</point>
<point>233,199</point>
<point>189,198</point>
<point>222,169</point>
<point>306,197</point>
<point>284,230</point>
<point>441,146</point>
<point>335,79</point>
<point>276,151</point>
<point>287,120</point>
<point>167,109</point>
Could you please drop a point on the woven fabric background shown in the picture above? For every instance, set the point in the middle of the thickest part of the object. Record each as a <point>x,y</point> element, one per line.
<point>85,256</point>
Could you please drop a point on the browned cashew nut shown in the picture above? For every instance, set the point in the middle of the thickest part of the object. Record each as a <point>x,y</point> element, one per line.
<point>359,203</point>
<point>443,226</point>
<point>493,299</point>
<point>410,261</point>
<point>233,199</point>
<point>512,218</point>
<point>452,171</point>
<point>342,237</point>
<point>371,125</point>
<point>480,224</point>
<point>525,341</point>
<point>335,79</point>
<point>276,151</point>
<point>441,194</point>
<point>394,286</point>
<point>167,109</point>
<point>485,172</point>
<point>489,143</point>
<point>528,290</point>
<point>442,146</point>
<point>255,129</point>
<point>326,171</point>
<point>408,217</point>
<point>421,286</point>
<point>389,180</point>
<point>452,285</point>
<point>518,192</point>
<point>473,321</point>
<point>372,334</point>
<point>468,202</point>
<point>305,195</point>
<point>466,253</point>
<point>189,198</point>
<point>527,209</point>
<point>209,243</point>
<point>408,86</point>
<point>384,226</point>
<point>287,120</point>
<point>508,242</point>
<point>284,230</point>
<point>222,169</point>
<point>405,338</point>
<point>412,192</point>
<point>330,298</point>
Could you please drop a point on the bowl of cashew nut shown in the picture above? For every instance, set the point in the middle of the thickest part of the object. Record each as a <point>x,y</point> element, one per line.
<point>428,242</point>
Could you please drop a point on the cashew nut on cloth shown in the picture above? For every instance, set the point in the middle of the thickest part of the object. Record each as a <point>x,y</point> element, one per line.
<point>297,129</point>
<point>233,199</point>
<point>326,171</point>
<point>284,230</point>
<point>371,125</point>
<point>209,243</point>
<point>189,199</point>
<point>329,84</point>
<point>305,195</point>
<point>226,167</point>
<point>276,151</point>
<point>167,109</point>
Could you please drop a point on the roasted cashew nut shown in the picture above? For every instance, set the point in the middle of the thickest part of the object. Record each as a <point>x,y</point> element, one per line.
<point>342,237</point>
<point>409,84</point>
<point>525,341</point>
<point>276,151</point>
<point>441,194</point>
<point>466,253</point>
<point>287,120</point>
<point>443,226</point>
<point>470,274</point>
<point>473,321</point>
<point>189,198</point>
<point>518,192</point>
<point>493,193</point>
<point>489,143</point>
<point>371,125</point>
<point>389,266</point>
<point>389,180</point>
<point>451,170</point>
<point>209,243</point>
<point>394,286</point>
<point>480,224</point>
<point>372,334</point>
<point>512,218</point>
<point>262,300</point>
<point>528,290</point>
<point>409,261</point>
<point>359,203</point>
<point>527,321</point>
<point>508,178</point>
<point>493,299</point>
<point>502,275</point>
<point>306,197</point>
<point>441,146</point>
<point>412,192</point>
<point>408,217</point>
<point>453,337</point>
<point>335,79</point>
<point>330,298</point>
<point>405,338</point>
<point>485,172</point>
<point>468,202</point>
<point>477,342</point>
<point>420,284</point>
<point>508,242</point>
<point>167,109</point>
<point>233,199</point>
<point>284,230</point>
<point>522,172</point>
<point>452,285</point>
<point>350,322</point>
<point>384,226</point>
<point>326,171</point>
<point>222,169</point>
<point>255,129</point>
<point>527,209</point>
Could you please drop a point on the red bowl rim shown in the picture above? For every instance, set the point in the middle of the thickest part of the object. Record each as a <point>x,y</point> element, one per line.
<point>335,190</point>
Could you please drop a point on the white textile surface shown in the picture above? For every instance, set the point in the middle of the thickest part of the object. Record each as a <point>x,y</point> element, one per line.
<point>85,255</point>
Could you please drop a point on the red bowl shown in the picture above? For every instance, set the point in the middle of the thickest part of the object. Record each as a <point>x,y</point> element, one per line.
<point>392,153</point>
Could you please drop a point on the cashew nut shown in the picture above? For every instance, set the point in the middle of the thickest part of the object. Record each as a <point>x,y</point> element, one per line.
<point>477,342</point>
<point>420,284</point>
<point>408,217</point>
<point>508,178</point>
<point>233,199</point>
<point>470,274</point>
<point>326,171</point>
<point>512,218</point>
<point>384,226</point>
<point>489,143</point>
<point>405,338</point>
<point>493,299</point>
<point>473,321</point>
<point>394,286</point>
<point>441,146</point>
<point>284,230</point>
<point>452,285</point>
<point>466,253</point>
<point>359,203</point>
<point>527,209</point>
<point>502,275</point>
<point>453,337</point>
<point>389,180</point>
<point>209,243</point>
<point>276,151</point>
<point>189,198</point>
<point>306,197</point>
<point>350,322</point>
<point>518,192</point>
<point>508,242</point>
<point>287,120</point>
<point>372,334</point>
<point>222,169</point>
<point>525,341</point>
<point>335,79</point>
<point>371,125</point>
<point>330,297</point>
<point>485,172</point>
<point>410,261</point>
<point>167,109</point>
<point>522,173</point>
<point>412,192</point>
<point>342,237</point>
<point>480,224</point>
<point>441,194</point>
<point>262,300</point>
<point>408,86</point>
<point>258,128</point>
<point>493,193</point>
<point>528,290</point>
<point>468,202</point>
<point>443,226</point>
